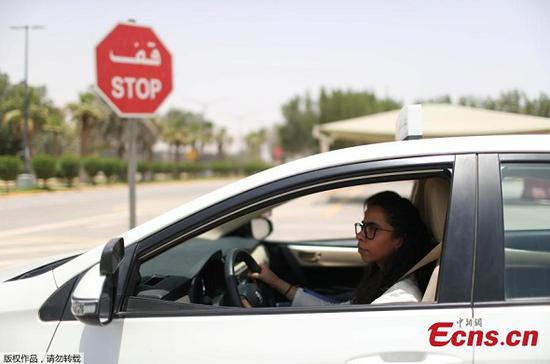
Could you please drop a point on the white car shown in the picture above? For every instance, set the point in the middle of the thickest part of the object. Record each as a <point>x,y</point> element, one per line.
<point>168,290</point>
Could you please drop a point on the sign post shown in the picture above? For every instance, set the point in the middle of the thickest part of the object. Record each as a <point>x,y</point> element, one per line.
<point>134,76</point>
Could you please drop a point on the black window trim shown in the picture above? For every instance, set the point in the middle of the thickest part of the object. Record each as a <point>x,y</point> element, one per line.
<point>457,256</point>
<point>307,183</point>
<point>489,252</point>
<point>236,311</point>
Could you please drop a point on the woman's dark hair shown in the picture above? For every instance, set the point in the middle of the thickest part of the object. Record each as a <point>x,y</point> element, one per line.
<point>406,222</point>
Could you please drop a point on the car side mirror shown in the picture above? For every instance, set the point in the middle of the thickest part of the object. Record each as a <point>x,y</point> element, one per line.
<point>261,228</point>
<point>92,301</point>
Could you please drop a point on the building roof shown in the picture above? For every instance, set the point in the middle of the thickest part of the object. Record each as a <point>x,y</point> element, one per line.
<point>439,120</point>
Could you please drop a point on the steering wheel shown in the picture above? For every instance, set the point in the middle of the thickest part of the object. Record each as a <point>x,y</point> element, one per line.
<point>255,293</point>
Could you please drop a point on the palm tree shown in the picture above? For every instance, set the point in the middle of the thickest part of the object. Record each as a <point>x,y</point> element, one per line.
<point>56,135</point>
<point>200,132</point>
<point>115,131</point>
<point>148,132</point>
<point>39,111</point>
<point>175,129</point>
<point>222,139</point>
<point>254,141</point>
<point>88,113</point>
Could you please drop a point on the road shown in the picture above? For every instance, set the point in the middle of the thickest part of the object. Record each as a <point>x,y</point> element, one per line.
<point>39,225</point>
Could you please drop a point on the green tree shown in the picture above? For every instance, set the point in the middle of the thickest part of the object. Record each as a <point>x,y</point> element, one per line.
<point>514,101</point>
<point>69,166</point>
<point>115,133</point>
<point>56,137</point>
<point>92,166</point>
<point>303,114</point>
<point>222,140</point>
<point>296,133</point>
<point>340,105</point>
<point>88,113</point>
<point>254,142</point>
<point>444,99</point>
<point>45,167</point>
<point>109,166</point>
<point>175,130</point>
<point>41,111</point>
<point>10,167</point>
<point>200,132</point>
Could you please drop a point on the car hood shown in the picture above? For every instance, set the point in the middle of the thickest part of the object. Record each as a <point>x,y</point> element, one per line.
<point>17,270</point>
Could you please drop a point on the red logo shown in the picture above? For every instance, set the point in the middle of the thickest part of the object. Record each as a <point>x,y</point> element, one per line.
<point>442,334</point>
<point>134,70</point>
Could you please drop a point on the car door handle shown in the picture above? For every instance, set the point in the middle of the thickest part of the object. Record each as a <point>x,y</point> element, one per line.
<point>310,257</point>
<point>405,357</point>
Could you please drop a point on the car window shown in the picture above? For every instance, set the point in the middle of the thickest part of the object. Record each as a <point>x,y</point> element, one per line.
<point>331,213</point>
<point>526,210</point>
<point>311,242</point>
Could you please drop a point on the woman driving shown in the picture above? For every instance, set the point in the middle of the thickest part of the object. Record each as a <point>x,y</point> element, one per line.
<point>391,238</point>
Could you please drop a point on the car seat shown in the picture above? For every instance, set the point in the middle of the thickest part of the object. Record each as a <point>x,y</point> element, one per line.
<point>431,196</point>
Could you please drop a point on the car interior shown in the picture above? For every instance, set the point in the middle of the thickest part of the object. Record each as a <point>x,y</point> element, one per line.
<point>212,269</point>
<point>526,200</point>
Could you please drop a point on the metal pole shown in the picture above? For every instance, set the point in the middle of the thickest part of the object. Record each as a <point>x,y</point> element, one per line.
<point>132,165</point>
<point>26,147</point>
<point>132,162</point>
<point>26,139</point>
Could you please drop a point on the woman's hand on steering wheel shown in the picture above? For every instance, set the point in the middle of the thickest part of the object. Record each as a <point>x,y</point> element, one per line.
<point>266,275</point>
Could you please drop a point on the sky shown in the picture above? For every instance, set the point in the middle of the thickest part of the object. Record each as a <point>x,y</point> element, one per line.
<point>240,61</point>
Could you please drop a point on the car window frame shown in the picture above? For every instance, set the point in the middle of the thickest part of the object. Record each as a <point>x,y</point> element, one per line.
<point>315,181</point>
<point>491,230</point>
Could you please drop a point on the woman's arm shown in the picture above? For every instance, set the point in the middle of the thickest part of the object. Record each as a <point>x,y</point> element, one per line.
<point>271,279</point>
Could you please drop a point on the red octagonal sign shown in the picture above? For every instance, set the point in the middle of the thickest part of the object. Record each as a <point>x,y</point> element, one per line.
<point>133,70</point>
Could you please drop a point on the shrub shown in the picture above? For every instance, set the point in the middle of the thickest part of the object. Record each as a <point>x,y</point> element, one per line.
<point>173,169</point>
<point>110,167</point>
<point>156,167</point>
<point>10,167</point>
<point>224,167</point>
<point>69,167</point>
<point>191,168</point>
<point>92,166</point>
<point>255,167</point>
<point>145,168</point>
<point>122,170</point>
<point>44,167</point>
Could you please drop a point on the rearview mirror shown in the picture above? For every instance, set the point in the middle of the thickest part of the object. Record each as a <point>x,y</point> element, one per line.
<point>261,228</point>
<point>92,301</point>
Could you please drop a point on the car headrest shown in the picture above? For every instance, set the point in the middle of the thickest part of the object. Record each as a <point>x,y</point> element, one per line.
<point>436,200</point>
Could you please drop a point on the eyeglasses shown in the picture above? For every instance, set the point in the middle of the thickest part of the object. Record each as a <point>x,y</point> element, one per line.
<point>369,229</point>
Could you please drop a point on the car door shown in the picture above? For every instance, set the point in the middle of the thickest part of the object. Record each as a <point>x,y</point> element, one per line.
<point>511,289</point>
<point>322,334</point>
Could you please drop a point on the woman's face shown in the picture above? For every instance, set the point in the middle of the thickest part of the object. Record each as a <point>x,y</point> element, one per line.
<point>384,243</point>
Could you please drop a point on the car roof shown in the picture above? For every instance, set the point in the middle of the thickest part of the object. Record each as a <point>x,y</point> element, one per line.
<point>371,152</point>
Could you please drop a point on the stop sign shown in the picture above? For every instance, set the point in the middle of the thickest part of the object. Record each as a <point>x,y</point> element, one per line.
<point>133,70</point>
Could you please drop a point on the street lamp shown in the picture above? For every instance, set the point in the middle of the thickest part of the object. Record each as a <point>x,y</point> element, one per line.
<point>26,143</point>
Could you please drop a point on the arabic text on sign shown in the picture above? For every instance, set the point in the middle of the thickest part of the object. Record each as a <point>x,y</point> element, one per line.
<point>140,58</point>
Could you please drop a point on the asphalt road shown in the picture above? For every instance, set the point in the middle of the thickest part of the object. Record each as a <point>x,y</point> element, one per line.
<point>39,225</point>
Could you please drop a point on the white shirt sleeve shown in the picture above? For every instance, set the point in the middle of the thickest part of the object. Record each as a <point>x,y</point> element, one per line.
<point>306,297</point>
<point>403,291</point>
